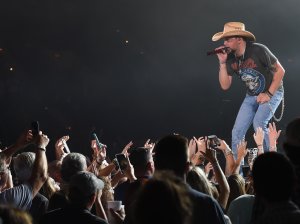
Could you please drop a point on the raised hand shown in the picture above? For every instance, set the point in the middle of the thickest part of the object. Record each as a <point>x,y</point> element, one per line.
<point>59,147</point>
<point>98,153</point>
<point>126,148</point>
<point>192,148</point>
<point>242,150</point>
<point>149,145</point>
<point>42,140</point>
<point>208,167</point>
<point>25,139</point>
<point>200,144</point>
<point>223,146</point>
<point>259,136</point>
<point>273,136</point>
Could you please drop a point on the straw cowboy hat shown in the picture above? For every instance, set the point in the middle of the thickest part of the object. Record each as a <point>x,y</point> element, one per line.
<point>233,29</point>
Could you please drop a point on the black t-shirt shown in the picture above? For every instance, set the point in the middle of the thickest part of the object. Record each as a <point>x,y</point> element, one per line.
<point>254,68</point>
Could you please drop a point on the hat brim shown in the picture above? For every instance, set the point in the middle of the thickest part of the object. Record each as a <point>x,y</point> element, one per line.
<point>241,33</point>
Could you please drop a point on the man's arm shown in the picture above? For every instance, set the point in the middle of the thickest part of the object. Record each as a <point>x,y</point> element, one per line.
<point>24,140</point>
<point>40,166</point>
<point>277,77</point>
<point>224,79</point>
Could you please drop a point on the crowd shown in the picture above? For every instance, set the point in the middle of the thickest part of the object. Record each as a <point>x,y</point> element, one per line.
<point>174,180</point>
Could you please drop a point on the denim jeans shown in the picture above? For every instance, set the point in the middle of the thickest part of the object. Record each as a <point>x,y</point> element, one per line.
<point>254,113</point>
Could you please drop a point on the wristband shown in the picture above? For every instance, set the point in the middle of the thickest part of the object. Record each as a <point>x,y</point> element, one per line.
<point>268,93</point>
<point>228,152</point>
<point>41,148</point>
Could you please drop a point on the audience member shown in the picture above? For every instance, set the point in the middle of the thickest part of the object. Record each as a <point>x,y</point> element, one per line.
<point>164,199</point>
<point>84,190</point>
<point>21,196</point>
<point>23,165</point>
<point>171,153</point>
<point>274,181</point>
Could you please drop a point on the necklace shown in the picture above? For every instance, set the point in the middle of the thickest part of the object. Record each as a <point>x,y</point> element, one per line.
<point>240,61</point>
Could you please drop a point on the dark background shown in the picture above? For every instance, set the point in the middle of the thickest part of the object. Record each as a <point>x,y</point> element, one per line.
<point>131,69</point>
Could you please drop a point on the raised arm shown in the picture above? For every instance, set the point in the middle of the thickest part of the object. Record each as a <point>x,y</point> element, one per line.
<point>259,140</point>
<point>40,166</point>
<point>230,161</point>
<point>24,140</point>
<point>242,152</point>
<point>273,136</point>
<point>210,155</point>
<point>224,79</point>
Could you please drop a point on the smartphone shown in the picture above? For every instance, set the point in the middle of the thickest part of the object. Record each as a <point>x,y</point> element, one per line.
<point>66,147</point>
<point>246,170</point>
<point>35,128</point>
<point>122,161</point>
<point>214,142</point>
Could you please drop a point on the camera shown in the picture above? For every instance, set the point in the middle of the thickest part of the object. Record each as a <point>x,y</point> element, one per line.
<point>214,142</point>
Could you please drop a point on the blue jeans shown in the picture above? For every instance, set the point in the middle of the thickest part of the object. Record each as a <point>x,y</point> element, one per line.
<point>254,113</point>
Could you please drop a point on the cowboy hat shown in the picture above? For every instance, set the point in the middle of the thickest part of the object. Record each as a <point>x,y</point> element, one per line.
<point>233,29</point>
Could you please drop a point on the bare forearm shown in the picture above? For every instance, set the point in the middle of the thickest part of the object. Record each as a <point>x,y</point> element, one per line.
<point>277,78</point>
<point>100,210</point>
<point>230,164</point>
<point>237,166</point>
<point>224,78</point>
<point>107,170</point>
<point>11,150</point>
<point>223,184</point>
<point>39,172</point>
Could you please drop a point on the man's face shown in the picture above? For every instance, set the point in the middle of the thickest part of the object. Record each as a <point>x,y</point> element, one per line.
<point>232,42</point>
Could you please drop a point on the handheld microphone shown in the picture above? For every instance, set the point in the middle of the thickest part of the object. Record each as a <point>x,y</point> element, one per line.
<point>99,144</point>
<point>218,51</point>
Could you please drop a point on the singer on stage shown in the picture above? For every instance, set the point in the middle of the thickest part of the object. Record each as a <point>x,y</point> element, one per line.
<point>261,72</point>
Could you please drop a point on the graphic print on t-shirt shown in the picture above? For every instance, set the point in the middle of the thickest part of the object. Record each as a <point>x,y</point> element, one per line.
<point>254,80</point>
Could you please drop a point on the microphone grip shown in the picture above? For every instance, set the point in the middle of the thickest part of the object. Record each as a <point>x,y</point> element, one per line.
<point>218,51</point>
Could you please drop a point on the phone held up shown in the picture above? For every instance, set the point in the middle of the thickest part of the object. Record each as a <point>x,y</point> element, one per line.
<point>214,142</point>
<point>35,128</point>
<point>122,161</point>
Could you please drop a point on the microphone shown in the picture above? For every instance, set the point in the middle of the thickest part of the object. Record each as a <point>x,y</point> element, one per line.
<point>99,144</point>
<point>218,51</point>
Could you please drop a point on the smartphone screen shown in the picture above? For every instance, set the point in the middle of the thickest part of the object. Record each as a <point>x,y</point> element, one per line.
<point>122,161</point>
<point>35,128</point>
